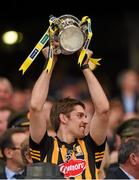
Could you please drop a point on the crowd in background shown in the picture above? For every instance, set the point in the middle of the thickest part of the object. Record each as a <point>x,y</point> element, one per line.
<point>123,120</point>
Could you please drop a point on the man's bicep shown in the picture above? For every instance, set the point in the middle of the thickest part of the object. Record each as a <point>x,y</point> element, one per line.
<point>98,129</point>
<point>37,126</point>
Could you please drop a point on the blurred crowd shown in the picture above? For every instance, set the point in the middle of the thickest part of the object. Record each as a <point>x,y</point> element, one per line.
<point>123,122</point>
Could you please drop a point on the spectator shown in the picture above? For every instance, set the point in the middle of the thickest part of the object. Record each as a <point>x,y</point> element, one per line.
<point>20,120</point>
<point>128,161</point>
<point>126,130</point>
<point>128,83</point>
<point>11,150</point>
<point>20,99</point>
<point>5,113</point>
<point>6,92</point>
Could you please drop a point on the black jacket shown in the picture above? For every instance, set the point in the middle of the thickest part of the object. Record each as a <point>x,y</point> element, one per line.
<point>3,175</point>
<point>114,172</point>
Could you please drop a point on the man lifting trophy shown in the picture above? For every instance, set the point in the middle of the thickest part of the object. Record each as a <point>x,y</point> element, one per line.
<point>78,145</point>
<point>70,35</point>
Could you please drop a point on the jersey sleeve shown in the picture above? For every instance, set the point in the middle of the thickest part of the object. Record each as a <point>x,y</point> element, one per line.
<point>99,150</point>
<point>39,151</point>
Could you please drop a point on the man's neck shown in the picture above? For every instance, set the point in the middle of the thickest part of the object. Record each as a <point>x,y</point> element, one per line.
<point>65,137</point>
<point>13,167</point>
<point>128,170</point>
<point>129,93</point>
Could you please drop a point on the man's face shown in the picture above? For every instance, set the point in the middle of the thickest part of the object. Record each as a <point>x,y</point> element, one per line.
<point>77,122</point>
<point>130,81</point>
<point>16,157</point>
<point>5,94</point>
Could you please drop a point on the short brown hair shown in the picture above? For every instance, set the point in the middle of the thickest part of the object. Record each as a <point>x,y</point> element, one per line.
<point>64,106</point>
<point>6,140</point>
<point>128,147</point>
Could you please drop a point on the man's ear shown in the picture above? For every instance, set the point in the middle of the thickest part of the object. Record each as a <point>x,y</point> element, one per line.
<point>8,153</point>
<point>63,118</point>
<point>133,159</point>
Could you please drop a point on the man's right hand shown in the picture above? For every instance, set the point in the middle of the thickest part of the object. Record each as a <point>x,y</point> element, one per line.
<point>45,52</point>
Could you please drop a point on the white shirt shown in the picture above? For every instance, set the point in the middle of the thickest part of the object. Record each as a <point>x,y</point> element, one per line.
<point>9,174</point>
<point>130,176</point>
<point>129,103</point>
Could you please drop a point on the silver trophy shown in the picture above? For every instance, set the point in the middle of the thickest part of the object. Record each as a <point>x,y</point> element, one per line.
<point>69,33</point>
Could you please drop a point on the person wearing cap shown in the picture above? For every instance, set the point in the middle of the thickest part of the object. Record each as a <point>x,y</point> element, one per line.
<point>19,120</point>
<point>129,128</point>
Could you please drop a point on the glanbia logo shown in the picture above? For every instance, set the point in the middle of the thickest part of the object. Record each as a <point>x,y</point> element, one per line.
<point>72,168</point>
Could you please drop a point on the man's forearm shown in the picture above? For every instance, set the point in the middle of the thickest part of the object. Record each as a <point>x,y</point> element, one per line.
<point>96,92</point>
<point>40,91</point>
<point>41,88</point>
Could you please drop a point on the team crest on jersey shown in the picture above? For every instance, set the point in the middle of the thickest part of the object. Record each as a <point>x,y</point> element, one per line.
<point>78,151</point>
<point>72,168</point>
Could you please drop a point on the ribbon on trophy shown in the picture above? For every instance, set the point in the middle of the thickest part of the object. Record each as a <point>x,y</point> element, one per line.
<point>36,50</point>
<point>53,21</point>
<point>71,34</point>
<point>29,60</point>
<point>93,62</point>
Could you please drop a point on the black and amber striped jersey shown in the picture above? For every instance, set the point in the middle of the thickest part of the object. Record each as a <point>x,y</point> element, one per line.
<point>79,160</point>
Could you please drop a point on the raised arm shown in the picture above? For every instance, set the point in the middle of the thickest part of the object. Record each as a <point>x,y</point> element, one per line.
<point>38,124</point>
<point>99,123</point>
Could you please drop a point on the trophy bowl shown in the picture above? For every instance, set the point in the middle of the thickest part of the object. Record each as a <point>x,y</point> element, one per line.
<point>70,35</point>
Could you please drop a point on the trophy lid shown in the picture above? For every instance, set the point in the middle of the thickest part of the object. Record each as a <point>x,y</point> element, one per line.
<point>71,17</point>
